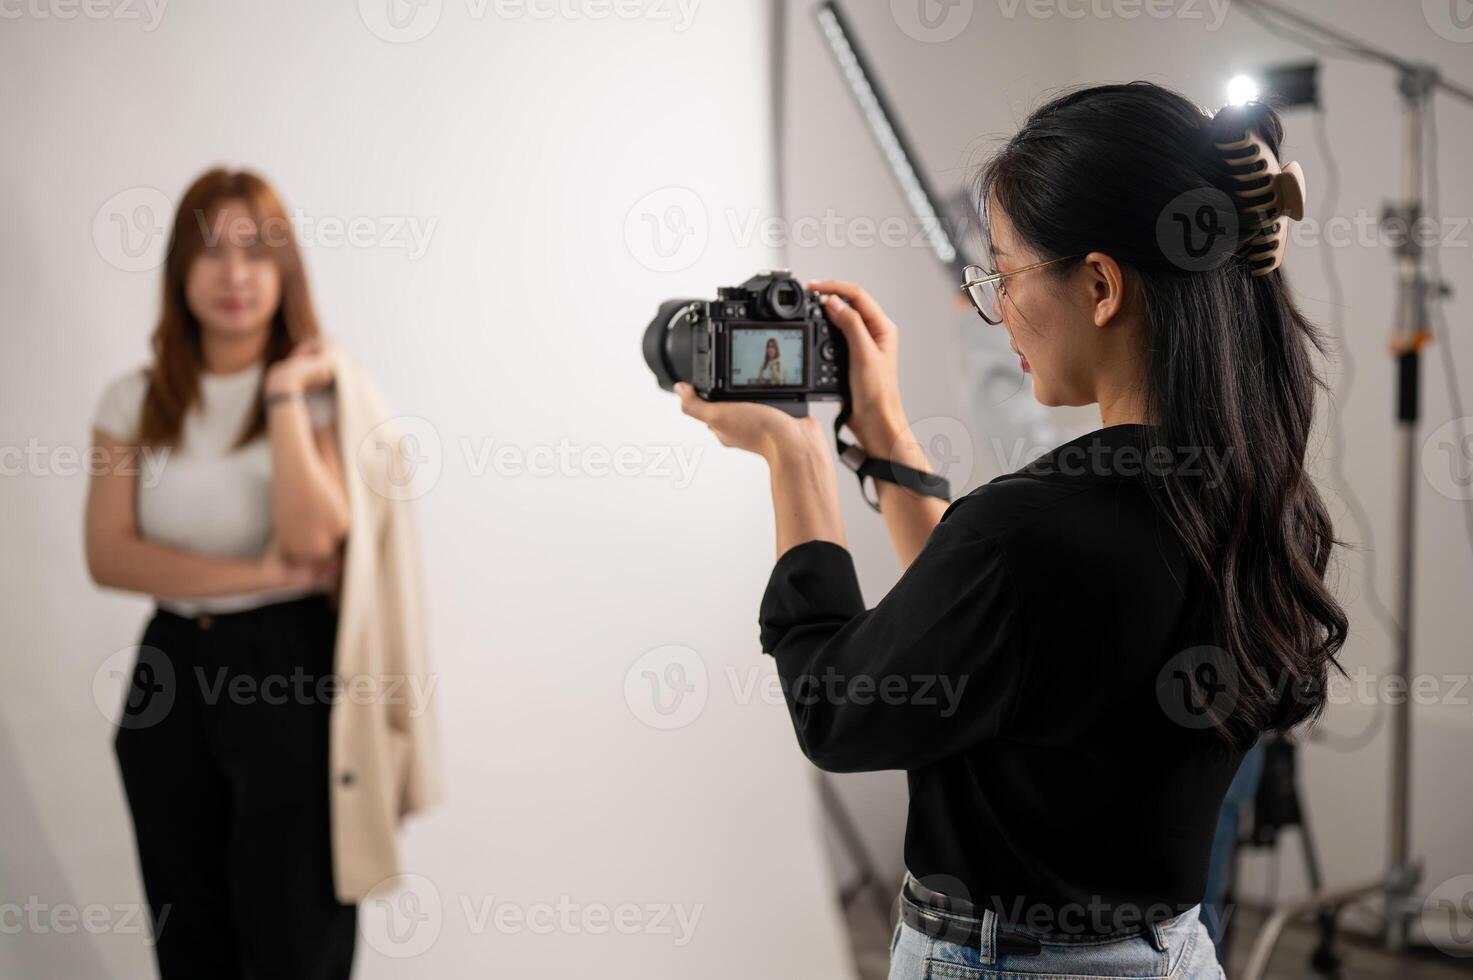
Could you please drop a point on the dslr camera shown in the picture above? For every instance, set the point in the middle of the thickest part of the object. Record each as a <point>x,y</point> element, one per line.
<point>767,340</point>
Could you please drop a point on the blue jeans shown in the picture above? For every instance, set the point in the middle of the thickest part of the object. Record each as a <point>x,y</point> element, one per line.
<point>1178,948</point>
<point>1225,842</point>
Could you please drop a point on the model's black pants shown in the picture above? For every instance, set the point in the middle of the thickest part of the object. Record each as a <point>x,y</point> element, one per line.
<point>223,752</point>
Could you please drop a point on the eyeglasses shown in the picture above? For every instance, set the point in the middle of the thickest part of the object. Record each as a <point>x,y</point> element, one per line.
<point>985,290</point>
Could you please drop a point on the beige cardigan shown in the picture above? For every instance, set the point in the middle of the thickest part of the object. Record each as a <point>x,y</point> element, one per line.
<point>384,752</point>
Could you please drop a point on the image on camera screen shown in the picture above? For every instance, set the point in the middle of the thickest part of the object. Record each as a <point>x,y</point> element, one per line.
<point>765,356</point>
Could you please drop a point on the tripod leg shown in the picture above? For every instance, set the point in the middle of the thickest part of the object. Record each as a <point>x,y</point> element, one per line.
<point>1324,961</point>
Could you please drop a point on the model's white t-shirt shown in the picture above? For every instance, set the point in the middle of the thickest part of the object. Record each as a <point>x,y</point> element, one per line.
<point>201,495</point>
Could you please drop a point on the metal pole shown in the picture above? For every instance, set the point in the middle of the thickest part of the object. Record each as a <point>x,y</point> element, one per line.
<point>1411,335</point>
<point>1416,84</point>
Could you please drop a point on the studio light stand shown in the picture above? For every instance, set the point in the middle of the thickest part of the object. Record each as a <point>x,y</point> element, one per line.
<point>1416,83</point>
<point>1278,806</point>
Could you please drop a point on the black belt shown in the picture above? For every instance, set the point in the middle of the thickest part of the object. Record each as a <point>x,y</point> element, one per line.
<point>956,920</point>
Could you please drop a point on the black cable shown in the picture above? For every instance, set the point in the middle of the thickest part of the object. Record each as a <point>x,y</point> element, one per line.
<point>1340,392</point>
<point>1339,396</point>
<point>1441,333</point>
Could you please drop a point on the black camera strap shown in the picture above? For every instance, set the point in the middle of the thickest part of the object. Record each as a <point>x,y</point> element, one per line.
<point>916,481</point>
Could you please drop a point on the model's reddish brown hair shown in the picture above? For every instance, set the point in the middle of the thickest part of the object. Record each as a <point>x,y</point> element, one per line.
<point>178,361</point>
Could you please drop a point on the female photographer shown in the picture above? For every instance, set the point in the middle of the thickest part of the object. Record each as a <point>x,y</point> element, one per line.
<point>1079,653</point>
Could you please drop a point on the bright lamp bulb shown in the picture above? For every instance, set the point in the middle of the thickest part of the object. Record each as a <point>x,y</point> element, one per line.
<point>1242,90</point>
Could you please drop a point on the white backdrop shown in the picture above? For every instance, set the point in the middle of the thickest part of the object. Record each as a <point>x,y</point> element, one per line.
<point>492,203</point>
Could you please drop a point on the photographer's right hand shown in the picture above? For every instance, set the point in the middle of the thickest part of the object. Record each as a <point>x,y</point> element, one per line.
<point>876,418</point>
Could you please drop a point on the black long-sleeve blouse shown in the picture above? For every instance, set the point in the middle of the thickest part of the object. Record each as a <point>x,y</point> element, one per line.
<point>1026,671</point>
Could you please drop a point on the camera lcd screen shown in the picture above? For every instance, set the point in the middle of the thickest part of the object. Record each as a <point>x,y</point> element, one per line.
<point>764,356</point>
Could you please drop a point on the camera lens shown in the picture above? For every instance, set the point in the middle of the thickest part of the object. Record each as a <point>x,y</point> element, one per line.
<point>668,342</point>
<point>785,299</point>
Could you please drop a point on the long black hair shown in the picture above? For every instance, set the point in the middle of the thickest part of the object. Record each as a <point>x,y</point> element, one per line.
<point>1230,369</point>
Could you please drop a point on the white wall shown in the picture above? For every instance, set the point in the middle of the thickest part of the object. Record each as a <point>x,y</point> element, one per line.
<point>974,78</point>
<point>531,145</point>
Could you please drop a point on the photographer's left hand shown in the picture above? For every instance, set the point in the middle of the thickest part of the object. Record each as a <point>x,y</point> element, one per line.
<point>752,426</point>
<point>805,495</point>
